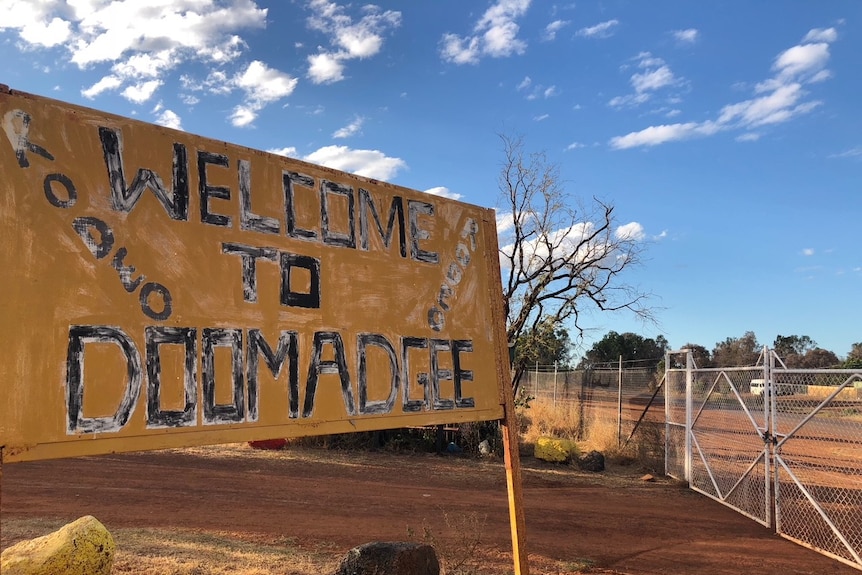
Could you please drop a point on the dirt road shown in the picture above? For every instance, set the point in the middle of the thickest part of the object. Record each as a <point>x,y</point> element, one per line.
<point>345,499</point>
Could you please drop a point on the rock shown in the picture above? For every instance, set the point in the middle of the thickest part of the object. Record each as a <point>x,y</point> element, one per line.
<point>592,461</point>
<point>395,558</point>
<point>647,477</point>
<point>484,447</point>
<point>83,547</point>
<point>272,444</point>
<point>555,450</point>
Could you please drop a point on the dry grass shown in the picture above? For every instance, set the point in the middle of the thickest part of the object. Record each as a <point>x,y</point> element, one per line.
<point>188,552</point>
<point>544,418</point>
<point>599,431</point>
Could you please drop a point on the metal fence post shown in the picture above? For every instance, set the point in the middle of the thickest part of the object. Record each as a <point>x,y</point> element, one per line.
<point>620,402</point>
<point>689,368</point>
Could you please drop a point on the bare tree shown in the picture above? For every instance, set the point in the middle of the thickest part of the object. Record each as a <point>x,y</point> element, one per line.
<point>560,260</point>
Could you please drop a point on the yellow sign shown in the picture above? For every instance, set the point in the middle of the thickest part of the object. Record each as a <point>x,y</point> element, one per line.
<point>163,289</point>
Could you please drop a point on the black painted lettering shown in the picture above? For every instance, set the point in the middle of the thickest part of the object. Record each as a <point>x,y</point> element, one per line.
<point>436,319</point>
<point>16,124</point>
<point>71,192</point>
<point>144,297</point>
<point>125,271</point>
<point>412,405</point>
<point>417,233</point>
<point>469,231</point>
<point>289,180</point>
<point>216,413</point>
<point>207,191</point>
<point>454,274</point>
<point>462,255</point>
<point>437,374</point>
<point>123,199</point>
<point>318,367</point>
<point>345,240</point>
<point>79,337</point>
<point>100,247</point>
<point>300,299</point>
<point>249,255</point>
<point>460,346</point>
<point>444,294</point>
<point>249,221</point>
<point>364,340</point>
<point>396,210</point>
<point>157,336</point>
<point>288,348</point>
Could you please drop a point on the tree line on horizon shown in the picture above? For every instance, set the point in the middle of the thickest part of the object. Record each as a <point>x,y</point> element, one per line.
<point>550,344</point>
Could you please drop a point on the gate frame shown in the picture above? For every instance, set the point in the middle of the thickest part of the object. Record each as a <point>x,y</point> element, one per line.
<point>773,442</point>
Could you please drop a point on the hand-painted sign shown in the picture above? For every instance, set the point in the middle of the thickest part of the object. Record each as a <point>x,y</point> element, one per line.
<point>162,289</point>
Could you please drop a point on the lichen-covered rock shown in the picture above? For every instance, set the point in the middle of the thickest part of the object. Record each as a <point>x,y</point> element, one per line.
<point>555,450</point>
<point>396,558</point>
<point>83,547</point>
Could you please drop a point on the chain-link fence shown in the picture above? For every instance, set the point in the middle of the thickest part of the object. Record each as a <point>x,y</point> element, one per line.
<point>817,429</point>
<point>783,446</point>
<point>623,397</point>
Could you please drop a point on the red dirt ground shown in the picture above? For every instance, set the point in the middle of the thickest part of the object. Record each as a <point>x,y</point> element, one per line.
<point>621,523</point>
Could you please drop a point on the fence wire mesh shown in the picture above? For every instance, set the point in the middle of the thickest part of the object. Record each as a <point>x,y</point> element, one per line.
<point>605,396</point>
<point>818,460</point>
<point>769,439</point>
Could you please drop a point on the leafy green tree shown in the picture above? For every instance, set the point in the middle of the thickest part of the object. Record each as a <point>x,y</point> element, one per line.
<point>545,344</point>
<point>818,358</point>
<point>700,355</point>
<point>792,349</point>
<point>854,358</point>
<point>737,351</point>
<point>631,346</point>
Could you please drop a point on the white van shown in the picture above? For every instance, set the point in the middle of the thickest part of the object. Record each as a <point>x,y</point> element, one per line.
<point>758,385</point>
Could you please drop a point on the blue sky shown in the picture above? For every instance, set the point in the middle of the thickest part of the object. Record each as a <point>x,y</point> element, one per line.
<point>729,132</point>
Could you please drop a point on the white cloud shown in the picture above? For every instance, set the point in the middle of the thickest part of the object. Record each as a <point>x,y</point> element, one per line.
<point>551,29</point>
<point>443,192</point>
<point>348,39</point>
<point>262,85</point>
<point>289,152</point>
<point>169,119</point>
<point>821,35</point>
<point>655,135</point>
<point>575,146</point>
<point>566,242</point>
<point>538,90</point>
<point>630,231</point>
<point>541,117</point>
<point>138,45</point>
<point>602,30</point>
<point>777,100</point>
<point>505,222</point>
<point>140,93</point>
<point>653,79</point>
<point>808,252</point>
<point>103,85</point>
<point>495,35</point>
<point>325,68</point>
<point>368,163</point>
<point>851,153</point>
<point>656,75</point>
<point>350,129</point>
<point>243,116</point>
<point>687,36</point>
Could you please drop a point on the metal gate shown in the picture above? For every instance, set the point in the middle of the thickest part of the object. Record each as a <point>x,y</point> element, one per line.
<point>782,446</point>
